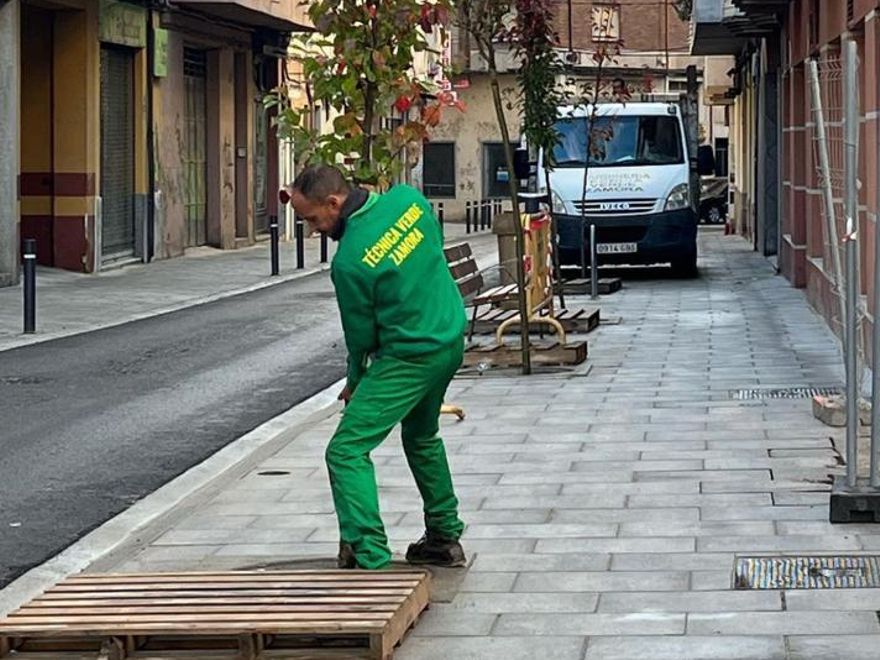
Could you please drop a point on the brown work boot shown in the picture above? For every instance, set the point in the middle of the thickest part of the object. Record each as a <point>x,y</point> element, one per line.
<point>346,559</point>
<point>437,551</point>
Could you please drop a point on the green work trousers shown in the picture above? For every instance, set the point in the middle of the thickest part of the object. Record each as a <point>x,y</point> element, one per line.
<point>393,390</point>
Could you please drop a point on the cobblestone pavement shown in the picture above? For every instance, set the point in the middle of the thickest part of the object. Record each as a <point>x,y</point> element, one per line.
<point>605,508</point>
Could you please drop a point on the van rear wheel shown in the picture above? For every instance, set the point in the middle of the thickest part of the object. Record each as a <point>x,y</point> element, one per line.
<point>685,267</point>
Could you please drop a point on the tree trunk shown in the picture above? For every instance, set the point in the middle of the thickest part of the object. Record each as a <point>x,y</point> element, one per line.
<point>554,241</point>
<point>590,122</point>
<point>369,120</point>
<point>370,92</point>
<point>514,199</point>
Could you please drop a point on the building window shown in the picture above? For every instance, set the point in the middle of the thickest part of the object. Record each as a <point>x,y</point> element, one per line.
<point>438,171</point>
<point>813,23</point>
<point>495,175</point>
<point>606,22</point>
<point>678,86</point>
<point>391,123</point>
<point>721,146</point>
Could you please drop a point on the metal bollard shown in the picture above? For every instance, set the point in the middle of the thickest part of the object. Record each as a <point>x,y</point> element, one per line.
<point>440,213</point>
<point>467,217</point>
<point>299,235</point>
<point>323,248</point>
<point>273,244</point>
<point>30,285</point>
<point>594,267</point>
<point>583,229</point>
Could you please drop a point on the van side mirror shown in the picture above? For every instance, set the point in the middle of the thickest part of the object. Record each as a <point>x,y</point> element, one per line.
<point>705,160</point>
<point>521,165</point>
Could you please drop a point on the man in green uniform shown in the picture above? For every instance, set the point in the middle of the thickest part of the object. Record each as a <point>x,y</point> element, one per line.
<point>404,322</point>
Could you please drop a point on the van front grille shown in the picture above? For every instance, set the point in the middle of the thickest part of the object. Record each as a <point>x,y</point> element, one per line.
<point>613,207</point>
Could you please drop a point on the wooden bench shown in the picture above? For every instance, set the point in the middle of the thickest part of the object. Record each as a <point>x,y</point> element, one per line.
<point>472,286</point>
<point>243,615</point>
<point>471,283</point>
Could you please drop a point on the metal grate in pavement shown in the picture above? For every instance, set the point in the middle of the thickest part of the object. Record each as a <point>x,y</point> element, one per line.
<point>807,572</point>
<point>783,393</point>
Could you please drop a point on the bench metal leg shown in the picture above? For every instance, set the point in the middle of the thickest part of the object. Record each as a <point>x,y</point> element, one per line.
<point>548,320</point>
<point>473,324</point>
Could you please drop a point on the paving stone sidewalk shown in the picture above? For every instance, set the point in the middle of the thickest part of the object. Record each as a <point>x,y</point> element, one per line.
<point>604,510</point>
<point>69,303</point>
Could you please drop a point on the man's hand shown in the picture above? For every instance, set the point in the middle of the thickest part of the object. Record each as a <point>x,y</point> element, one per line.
<point>345,395</point>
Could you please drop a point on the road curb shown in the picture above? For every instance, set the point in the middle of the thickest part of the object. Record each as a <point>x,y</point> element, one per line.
<point>21,340</point>
<point>123,528</point>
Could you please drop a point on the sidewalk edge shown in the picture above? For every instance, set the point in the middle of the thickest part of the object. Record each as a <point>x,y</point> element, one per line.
<point>22,340</point>
<point>120,529</point>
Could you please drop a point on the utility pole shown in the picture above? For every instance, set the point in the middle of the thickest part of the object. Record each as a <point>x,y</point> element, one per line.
<point>666,41</point>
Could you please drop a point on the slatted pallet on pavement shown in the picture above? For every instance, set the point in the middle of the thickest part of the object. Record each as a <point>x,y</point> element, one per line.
<point>573,320</point>
<point>581,287</point>
<point>247,615</point>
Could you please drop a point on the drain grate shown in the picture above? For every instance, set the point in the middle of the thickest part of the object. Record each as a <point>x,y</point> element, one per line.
<point>22,380</point>
<point>783,393</point>
<point>807,572</point>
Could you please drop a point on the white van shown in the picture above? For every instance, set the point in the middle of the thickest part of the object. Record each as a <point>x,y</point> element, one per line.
<point>638,186</point>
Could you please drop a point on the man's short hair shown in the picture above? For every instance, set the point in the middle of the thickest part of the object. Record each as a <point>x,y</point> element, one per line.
<point>317,182</point>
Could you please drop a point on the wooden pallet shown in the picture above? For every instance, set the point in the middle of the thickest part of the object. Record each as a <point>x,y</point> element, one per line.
<point>573,320</point>
<point>247,615</point>
<point>556,354</point>
<point>581,287</point>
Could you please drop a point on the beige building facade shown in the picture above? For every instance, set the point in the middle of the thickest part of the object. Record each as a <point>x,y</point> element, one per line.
<point>463,161</point>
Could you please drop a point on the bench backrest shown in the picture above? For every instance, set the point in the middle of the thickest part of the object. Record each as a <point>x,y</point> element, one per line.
<point>464,269</point>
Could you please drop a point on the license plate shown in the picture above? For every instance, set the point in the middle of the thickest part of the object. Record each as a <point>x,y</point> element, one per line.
<point>616,248</point>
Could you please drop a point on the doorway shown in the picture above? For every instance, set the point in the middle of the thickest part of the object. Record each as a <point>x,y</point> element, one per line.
<point>117,153</point>
<point>195,159</point>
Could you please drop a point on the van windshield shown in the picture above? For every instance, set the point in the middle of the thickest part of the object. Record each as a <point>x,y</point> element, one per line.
<point>620,141</point>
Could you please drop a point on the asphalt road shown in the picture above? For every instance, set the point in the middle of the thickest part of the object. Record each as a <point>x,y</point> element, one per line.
<point>90,424</point>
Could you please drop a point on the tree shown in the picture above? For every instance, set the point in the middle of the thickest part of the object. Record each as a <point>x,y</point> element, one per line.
<point>538,93</point>
<point>488,23</point>
<point>593,93</point>
<point>359,64</point>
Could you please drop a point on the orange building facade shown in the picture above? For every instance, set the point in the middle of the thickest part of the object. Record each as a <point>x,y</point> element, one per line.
<point>136,130</point>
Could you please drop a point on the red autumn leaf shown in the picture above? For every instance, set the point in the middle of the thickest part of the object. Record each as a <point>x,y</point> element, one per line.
<point>431,115</point>
<point>403,104</point>
<point>425,19</point>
